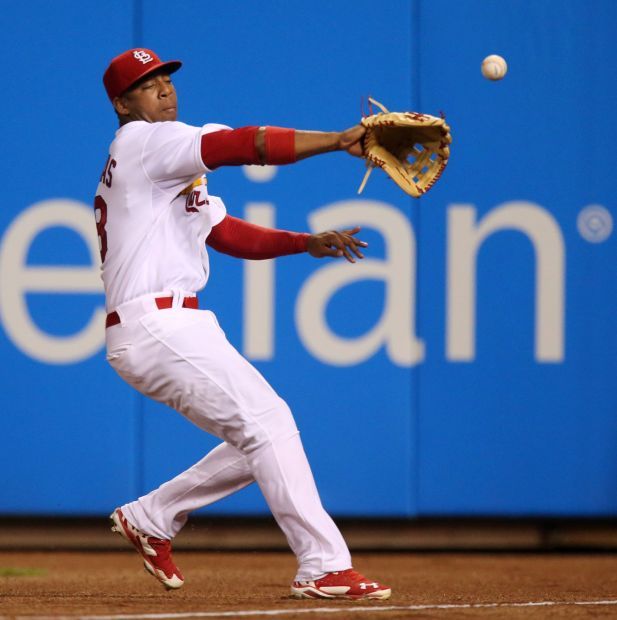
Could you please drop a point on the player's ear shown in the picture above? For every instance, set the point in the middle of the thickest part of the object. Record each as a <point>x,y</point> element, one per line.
<point>120,106</point>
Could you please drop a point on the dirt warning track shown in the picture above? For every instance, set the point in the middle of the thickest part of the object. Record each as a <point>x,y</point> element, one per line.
<point>439,585</point>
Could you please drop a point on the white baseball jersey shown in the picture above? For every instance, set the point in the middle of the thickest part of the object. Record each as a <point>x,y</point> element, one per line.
<point>151,236</point>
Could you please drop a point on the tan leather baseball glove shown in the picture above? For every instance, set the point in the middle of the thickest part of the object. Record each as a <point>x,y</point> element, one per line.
<point>412,148</point>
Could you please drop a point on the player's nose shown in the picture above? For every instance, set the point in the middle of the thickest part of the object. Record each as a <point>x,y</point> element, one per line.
<point>165,88</point>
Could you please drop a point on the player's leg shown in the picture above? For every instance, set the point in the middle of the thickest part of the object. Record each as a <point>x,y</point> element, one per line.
<point>164,511</point>
<point>189,365</point>
<point>185,361</point>
<point>239,405</point>
<point>152,521</point>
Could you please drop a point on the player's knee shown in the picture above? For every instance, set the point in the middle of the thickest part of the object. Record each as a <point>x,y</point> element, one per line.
<point>263,427</point>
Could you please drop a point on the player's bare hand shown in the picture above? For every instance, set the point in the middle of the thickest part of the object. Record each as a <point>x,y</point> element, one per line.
<point>337,243</point>
<point>350,140</point>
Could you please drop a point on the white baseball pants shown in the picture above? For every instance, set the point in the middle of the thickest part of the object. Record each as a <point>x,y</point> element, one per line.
<point>182,358</point>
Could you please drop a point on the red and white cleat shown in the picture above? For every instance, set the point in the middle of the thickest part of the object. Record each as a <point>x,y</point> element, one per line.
<point>156,552</point>
<point>341,584</point>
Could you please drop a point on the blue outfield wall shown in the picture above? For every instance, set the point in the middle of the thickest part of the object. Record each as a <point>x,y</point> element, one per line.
<point>466,367</point>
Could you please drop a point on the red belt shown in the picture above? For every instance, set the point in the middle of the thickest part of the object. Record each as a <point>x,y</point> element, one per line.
<point>162,303</point>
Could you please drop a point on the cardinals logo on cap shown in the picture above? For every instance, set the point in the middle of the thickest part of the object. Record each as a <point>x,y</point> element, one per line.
<point>142,56</point>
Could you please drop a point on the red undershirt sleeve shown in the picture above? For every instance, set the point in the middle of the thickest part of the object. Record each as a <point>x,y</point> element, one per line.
<point>236,147</point>
<point>241,239</point>
<point>229,147</point>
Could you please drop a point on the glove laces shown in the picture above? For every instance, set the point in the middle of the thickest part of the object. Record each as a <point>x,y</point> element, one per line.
<point>370,166</point>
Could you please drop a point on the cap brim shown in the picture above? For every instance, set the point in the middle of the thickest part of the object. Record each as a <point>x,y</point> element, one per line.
<point>171,66</point>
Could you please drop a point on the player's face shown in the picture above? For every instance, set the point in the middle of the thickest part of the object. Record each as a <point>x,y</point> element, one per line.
<point>152,100</point>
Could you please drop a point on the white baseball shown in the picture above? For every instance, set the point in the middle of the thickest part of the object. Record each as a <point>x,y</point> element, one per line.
<point>494,67</point>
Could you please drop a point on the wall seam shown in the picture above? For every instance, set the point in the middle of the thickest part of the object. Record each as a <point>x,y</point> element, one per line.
<point>138,16</point>
<point>417,211</point>
<point>140,406</point>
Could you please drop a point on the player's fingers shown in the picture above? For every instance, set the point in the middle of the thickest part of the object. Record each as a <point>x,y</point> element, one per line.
<point>340,242</point>
<point>353,231</point>
<point>355,243</point>
<point>350,243</point>
<point>355,250</point>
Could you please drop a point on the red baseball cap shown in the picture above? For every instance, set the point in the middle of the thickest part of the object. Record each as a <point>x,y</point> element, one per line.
<point>130,66</point>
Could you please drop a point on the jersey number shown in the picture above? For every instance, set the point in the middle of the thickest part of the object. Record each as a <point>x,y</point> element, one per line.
<point>100,215</point>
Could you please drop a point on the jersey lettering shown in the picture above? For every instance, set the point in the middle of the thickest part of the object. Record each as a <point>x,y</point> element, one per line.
<point>100,216</point>
<point>106,176</point>
<point>193,202</point>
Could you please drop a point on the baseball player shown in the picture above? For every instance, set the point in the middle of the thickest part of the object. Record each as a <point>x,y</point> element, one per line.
<point>154,218</point>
